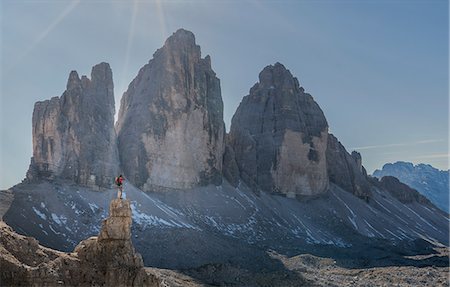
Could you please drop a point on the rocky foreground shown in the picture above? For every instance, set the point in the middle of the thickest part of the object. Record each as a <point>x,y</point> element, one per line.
<point>113,262</point>
<point>109,259</point>
<point>106,260</point>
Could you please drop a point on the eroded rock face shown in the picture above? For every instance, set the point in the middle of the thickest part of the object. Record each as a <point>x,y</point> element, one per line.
<point>118,225</point>
<point>73,136</point>
<point>112,252</point>
<point>106,260</point>
<point>279,136</point>
<point>170,127</point>
<point>346,170</point>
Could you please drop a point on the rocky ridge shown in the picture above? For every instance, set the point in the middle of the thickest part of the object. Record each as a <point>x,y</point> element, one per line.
<point>402,191</point>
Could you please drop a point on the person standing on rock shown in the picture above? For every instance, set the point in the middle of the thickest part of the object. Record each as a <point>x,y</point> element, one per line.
<point>119,183</point>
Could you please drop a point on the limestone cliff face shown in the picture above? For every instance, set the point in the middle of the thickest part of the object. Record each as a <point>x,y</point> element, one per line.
<point>73,136</point>
<point>170,127</point>
<point>279,136</point>
<point>346,170</point>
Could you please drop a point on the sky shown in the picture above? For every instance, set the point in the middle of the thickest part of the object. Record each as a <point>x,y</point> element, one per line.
<point>378,69</point>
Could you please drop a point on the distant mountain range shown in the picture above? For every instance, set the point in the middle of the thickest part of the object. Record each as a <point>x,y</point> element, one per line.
<point>429,181</point>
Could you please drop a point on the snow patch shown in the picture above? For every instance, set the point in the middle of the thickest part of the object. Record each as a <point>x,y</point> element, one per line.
<point>40,214</point>
<point>42,229</point>
<point>94,207</point>
<point>54,231</point>
<point>352,220</point>
<point>393,234</point>
<point>349,209</point>
<point>152,220</point>
<point>421,218</point>
<point>371,227</point>
<point>60,220</point>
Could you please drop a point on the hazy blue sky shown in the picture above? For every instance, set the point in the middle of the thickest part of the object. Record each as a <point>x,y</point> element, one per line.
<point>378,69</point>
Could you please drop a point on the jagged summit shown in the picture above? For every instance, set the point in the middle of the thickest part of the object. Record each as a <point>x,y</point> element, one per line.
<point>181,42</point>
<point>277,76</point>
<point>73,81</point>
<point>181,36</point>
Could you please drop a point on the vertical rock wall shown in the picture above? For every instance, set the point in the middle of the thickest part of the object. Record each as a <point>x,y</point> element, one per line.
<point>73,136</point>
<point>279,136</point>
<point>170,127</point>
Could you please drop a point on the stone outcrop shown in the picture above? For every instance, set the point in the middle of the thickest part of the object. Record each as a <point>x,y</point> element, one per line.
<point>106,260</point>
<point>170,127</point>
<point>401,191</point>
<point>73,135</point>
<point>346,170</point>
<point>112,252</point>
<point>279,136</point>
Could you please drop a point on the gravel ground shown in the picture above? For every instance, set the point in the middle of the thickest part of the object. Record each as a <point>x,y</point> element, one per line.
<point>309,270</point>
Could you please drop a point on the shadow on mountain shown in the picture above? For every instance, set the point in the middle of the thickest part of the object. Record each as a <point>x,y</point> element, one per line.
<point>416,253</point>
<point>215,260</point>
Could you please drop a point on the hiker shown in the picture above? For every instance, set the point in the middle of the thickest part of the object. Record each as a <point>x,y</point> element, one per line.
<point>119,183</point>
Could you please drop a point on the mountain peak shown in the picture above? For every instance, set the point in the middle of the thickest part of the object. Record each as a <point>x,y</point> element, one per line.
<point>101,72</point>
<point>277,76</point>
<point>181,38</point>
<point>279,136</point>
<point>73,81</point>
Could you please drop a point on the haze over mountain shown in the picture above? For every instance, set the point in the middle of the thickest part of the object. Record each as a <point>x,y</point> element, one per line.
<point>427,180</point>
<point>355,59</point>
<point>200,199</point>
